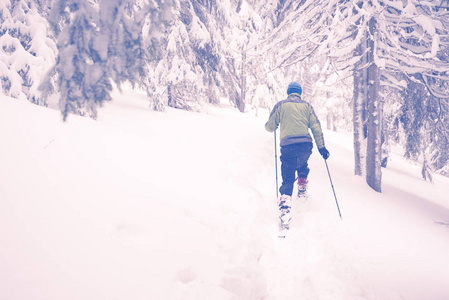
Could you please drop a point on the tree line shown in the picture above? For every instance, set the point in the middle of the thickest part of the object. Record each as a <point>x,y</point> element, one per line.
<point>379,68</point>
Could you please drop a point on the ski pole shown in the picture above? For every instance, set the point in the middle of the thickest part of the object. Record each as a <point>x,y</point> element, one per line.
<point>276,164</point>
<point>338,207</point>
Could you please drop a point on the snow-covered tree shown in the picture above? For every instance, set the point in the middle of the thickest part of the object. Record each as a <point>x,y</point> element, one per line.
<point>381,44</point>
<point>27,50</point>
<point>83,80</point>
<point>424,120</point>
<point>178,73</point>
<point>127,31</point>
<point>331,96</point>
<point>242,46</point>
<point>205,57</point>
<point>291,32</point>
<point>389,39</point>
<point>100,41</point>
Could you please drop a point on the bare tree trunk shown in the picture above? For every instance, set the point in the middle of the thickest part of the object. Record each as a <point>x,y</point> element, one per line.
<point>171,101</point>
<point>157,104</point>
<point>328,115</point>
<point>360,98</point>
<point>358,124</point>
<point>426,170</point>
<point>374,139</point>
<point>241,104</point>
<point>331,123</point>
<point>385,147</point>
<point>334,123</point>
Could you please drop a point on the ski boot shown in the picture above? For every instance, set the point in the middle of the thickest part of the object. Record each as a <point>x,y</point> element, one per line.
<point>285,203</point>
<point>302,188</point>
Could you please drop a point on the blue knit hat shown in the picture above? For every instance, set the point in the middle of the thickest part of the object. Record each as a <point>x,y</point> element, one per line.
<point>294,87</point>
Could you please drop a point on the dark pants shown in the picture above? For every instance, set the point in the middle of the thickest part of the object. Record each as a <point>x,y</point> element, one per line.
<point>294,160</point>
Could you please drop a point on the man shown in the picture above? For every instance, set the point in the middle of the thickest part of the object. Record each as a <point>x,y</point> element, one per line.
<point>295,116</point>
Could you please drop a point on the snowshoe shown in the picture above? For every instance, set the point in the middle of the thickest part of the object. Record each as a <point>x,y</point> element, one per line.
<point>285,214</point>
<point>302,188</point>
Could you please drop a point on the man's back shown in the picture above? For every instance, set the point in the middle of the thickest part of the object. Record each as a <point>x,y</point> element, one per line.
<point>295,116</point>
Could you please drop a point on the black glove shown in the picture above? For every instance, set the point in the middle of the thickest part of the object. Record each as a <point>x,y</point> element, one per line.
<point>324,153</point>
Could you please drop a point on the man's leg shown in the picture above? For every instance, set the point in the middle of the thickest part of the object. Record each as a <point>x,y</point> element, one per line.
<point>288,169</point>
<point>304,153</point>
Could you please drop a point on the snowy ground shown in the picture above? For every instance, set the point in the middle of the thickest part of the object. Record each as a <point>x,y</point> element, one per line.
<point>181,205</point>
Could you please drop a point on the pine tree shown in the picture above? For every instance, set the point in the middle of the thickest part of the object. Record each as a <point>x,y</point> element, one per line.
<point>178,78</point>
<point>195,68</point>
<point>27,49</point>
<point>83,79</point>
<point>100,41</point>
<point>127,30</point>
<point>424,122</point>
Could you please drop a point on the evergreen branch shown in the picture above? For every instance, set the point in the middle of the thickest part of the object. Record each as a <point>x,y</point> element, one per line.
<point>431,91</point>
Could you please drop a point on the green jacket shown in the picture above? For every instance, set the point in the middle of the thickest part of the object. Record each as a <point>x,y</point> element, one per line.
<point>295,116</point>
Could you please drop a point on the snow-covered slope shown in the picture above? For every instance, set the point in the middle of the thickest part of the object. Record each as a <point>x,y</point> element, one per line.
<point>181,205</point>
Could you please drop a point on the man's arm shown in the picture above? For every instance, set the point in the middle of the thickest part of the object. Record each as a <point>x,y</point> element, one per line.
<point>315,127</point>
<point>273,120</point>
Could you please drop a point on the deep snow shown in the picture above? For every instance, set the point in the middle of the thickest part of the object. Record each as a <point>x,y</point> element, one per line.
<point>181,205</point>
